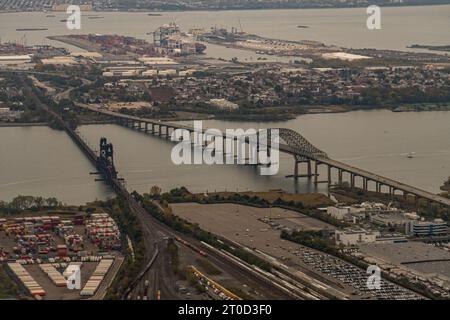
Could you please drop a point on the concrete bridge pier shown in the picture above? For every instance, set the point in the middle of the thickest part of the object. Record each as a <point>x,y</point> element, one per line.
<point>340,177</point>
<point>159,130</point>
<point>329,175</point>
<point>352,180</point>
<point>391,192</point>
<point>316,172</point>
<point>378,187</point>
<point>296,169</point>
<point>365,183</point>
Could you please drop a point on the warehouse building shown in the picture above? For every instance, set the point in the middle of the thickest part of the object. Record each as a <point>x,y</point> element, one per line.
<point>438,227</point>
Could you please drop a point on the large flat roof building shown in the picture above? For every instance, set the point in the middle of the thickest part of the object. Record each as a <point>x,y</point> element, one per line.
<point>437,227</point>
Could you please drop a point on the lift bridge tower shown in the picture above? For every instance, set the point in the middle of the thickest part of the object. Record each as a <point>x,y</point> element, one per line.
<point>105,162</point>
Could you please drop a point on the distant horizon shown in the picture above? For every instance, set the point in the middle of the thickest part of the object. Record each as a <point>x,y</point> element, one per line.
<point>261,8</point>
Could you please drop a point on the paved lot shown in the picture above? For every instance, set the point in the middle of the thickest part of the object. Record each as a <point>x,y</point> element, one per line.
<point>240,223</point>
<point>241,217</point>
<point>417,256</point>
<point>245,225</point>
<point>60,293</point>
<point>405,252</point>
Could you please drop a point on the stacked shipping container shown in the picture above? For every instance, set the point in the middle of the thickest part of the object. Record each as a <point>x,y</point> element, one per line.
<point>27,280</point>
<point>103,231</point>
<point>53,274</point>
<point>97,277</point>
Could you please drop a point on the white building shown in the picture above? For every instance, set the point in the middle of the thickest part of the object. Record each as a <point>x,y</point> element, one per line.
<point>338,212</point>
<point>167,72</point>
<point>353,237</point>
<point>157,61</point>
<point>150,73</point>
<point>223,104</point>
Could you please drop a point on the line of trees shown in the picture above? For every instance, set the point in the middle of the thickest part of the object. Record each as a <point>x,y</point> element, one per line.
<point>129,225</point>
<point>21,203</point>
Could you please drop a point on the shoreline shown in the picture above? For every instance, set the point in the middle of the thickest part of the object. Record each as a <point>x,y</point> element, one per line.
<point>314,111</point>
<point>22,124</point>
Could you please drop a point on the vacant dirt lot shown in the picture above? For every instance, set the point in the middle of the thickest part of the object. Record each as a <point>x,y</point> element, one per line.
<point>235,218</point>
<point>309,200</point>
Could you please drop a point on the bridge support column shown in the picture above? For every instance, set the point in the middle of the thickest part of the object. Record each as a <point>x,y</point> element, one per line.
<point>352,180</point>
<point>309,173</point>
<point>167,133</point>
<point>146,127</point>
<point>159,130</point>
<point>309,168</point>
<point>316,172</point>
<point>391,192</point>
<point>365,182</point>
<point>153,128</point>
<point>340,176</point>
<point>378,187</point>
<point>329,175</point>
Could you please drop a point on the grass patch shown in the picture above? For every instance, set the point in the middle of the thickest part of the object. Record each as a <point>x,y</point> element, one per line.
<point>8,288</point>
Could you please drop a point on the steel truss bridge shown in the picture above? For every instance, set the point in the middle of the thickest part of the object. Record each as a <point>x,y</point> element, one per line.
<point>292,143</point>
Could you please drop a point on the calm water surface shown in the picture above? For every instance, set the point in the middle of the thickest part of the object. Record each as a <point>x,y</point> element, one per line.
<point>401,27</point>
<point>41,161</point>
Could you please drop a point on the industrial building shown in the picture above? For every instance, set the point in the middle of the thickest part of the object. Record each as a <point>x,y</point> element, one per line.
<point>338,212</point>
<point>438,227</point>
<point>355,236</point>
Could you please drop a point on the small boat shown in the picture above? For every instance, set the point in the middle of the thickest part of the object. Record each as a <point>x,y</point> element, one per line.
<point>31,29</point>
<point>410,155</point>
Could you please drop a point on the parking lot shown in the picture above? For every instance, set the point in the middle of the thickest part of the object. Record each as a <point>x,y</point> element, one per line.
<point>248,226</point>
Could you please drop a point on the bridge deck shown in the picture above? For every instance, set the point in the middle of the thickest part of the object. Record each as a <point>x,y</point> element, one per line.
<point>290,150</point>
